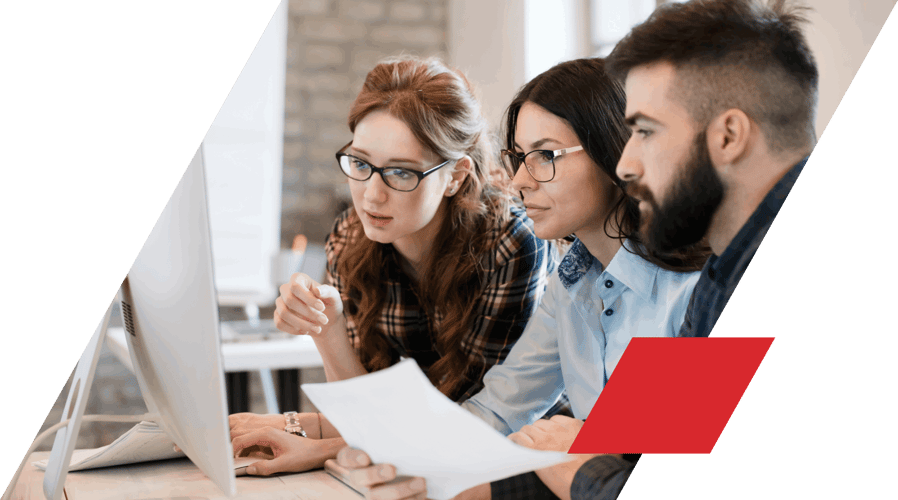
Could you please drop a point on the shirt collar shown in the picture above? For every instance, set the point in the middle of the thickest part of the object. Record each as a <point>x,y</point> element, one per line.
<point>756,226</point>
<point>576,262</point>
<point>631,270</point>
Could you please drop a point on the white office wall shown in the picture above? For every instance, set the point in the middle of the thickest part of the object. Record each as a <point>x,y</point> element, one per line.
<point>502,45</point>
<point>611,20</point>
<point>486,41</point>
<point>840,35</point>
<point>554,31</point>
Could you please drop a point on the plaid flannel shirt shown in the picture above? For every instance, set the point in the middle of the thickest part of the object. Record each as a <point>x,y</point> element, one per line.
<point>516,275</point>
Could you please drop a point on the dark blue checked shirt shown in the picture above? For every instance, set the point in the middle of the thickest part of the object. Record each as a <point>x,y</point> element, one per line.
<point>721,274</point>
<point>601,478</point>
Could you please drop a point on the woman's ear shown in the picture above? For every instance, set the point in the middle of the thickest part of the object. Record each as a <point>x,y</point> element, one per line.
<point>460,171</point>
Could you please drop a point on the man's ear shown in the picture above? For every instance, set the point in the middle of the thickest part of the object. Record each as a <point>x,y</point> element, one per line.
<point>728,137</point>
<point>462,169</point>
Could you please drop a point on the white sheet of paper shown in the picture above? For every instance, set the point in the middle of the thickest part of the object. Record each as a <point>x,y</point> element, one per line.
<point>142,443</point>
<point>397,416</point>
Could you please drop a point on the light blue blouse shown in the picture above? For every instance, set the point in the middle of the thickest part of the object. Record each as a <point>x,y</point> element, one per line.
<point>576,337</point>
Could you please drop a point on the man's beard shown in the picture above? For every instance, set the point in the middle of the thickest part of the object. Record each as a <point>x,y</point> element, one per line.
<point>689,206</point>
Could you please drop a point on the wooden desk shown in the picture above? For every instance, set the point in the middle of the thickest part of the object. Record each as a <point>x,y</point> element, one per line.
<point>178,479</point>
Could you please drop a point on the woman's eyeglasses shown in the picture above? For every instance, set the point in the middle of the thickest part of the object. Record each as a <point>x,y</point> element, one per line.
<point>540,162</point>
<point>400,179</point>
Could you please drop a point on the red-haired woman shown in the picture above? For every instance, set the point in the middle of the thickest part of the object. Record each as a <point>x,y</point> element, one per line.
<point>433,262</point>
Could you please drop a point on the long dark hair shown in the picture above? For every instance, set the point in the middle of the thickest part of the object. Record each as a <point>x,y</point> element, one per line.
<point>438,105</point>
<point>593,104</point>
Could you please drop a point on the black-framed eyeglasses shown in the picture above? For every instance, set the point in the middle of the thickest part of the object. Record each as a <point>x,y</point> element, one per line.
<point>398,178</point>
<point>540,162</point>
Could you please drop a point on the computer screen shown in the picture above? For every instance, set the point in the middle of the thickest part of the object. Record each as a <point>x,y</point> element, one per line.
<point>170,311</point>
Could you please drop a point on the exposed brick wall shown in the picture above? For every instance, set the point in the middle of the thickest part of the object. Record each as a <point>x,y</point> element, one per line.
<point>332,44</point>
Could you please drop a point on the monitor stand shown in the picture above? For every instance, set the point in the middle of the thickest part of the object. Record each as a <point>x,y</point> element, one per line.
<point>73,413</point>
<point>73,416</point>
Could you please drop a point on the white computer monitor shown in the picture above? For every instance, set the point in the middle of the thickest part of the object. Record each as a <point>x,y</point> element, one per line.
<point>170,312</point>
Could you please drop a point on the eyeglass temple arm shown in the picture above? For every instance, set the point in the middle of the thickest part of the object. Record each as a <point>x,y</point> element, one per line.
<point>559,152</point>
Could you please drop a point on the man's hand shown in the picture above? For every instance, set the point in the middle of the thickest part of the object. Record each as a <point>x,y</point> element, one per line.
<point>556,434</point>
<point>244,423</point>
<point>380,480</point>
<point>280,451</point>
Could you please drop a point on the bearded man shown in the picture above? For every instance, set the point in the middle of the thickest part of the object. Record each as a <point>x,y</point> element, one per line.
<point>721,98</point>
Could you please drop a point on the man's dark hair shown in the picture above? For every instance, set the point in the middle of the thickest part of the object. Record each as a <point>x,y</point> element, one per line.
<point>581,93</point>
<point>729,54</point>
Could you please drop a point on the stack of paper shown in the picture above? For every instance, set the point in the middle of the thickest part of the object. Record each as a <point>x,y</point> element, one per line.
<point>398,417</point>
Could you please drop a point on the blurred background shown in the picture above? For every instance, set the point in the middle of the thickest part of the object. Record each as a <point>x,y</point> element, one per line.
<point>500,45</point>
<point>280,180</point>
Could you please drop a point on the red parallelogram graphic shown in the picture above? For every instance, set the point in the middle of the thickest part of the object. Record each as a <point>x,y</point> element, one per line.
<point>671,395</point>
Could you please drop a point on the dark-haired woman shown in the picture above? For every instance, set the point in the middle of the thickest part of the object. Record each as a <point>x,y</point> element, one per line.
<point>433,262</point>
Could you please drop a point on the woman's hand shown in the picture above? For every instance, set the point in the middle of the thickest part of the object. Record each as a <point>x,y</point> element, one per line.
<point>244,423</point>
<point>305,307</point>
<point>280,452</point>
<point>309,308</point>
